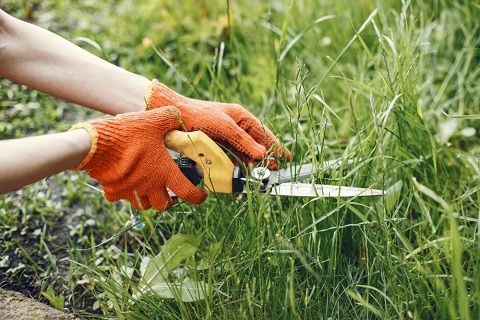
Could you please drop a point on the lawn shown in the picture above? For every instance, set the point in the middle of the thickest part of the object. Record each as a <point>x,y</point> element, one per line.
<point>393,86</point>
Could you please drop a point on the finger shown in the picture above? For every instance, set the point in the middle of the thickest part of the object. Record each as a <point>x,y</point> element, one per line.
<point>142,203</point>
<point>138,201</point>
<point>171,119</point>
<point>225,130</point>
<point>259,132</point>
<point>147,195</point>
<point>265,137</point>
<point>251,125</point>
<point>161,200</point>
<point>179,184</point>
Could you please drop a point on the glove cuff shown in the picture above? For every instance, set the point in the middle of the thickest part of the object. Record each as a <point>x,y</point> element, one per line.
<point>93,148</point>
<point>159,95</point>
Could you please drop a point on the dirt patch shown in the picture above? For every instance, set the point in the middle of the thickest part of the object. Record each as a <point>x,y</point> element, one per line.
<point>14,305</point>
<point>29,269</point>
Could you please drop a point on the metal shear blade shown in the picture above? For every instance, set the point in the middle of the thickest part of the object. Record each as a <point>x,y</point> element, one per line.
<point>283,182</point>
<point>322,191</point>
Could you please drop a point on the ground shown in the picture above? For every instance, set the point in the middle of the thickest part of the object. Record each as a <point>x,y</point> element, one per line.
<point>29,267</point>
<point>16,305</point>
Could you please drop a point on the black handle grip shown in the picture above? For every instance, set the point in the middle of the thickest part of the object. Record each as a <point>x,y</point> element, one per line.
<point>187,166</point>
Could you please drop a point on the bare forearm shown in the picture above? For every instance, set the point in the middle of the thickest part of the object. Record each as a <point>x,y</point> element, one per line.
<point>27,160</point>
<point>46,62</point>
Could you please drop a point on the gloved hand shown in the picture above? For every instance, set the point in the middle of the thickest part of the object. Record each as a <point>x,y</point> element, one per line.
<point>231,125</point>
<point>130,160</point>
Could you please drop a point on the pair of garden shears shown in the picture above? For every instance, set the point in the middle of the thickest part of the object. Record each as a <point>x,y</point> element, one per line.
<point>199,157</point>
<point>202,157</point>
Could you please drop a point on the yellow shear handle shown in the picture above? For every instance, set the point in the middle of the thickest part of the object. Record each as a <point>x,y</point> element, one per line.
<point>216,166</point>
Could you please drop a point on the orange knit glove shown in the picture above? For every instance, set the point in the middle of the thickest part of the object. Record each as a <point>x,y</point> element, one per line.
<point>130,160</point>
<point>230,125</point>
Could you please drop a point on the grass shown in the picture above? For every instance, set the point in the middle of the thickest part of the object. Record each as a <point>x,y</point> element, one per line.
<point>393,85</point>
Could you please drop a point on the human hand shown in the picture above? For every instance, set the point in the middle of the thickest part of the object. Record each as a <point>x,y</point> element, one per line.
<point>230,125</point>
<point>130,160</point>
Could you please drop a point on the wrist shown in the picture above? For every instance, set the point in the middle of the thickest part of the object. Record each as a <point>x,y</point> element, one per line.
<point>159,95</point>
<point>93,134</point>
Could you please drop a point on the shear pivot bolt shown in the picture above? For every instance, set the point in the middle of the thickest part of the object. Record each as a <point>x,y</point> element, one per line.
<point>261,174</point>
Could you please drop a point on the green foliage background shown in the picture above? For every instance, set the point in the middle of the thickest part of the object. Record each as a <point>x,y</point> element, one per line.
<point>392,84</point>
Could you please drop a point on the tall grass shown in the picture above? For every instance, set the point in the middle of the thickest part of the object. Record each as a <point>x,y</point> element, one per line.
<point>378,83</point>
<point>387,84</point>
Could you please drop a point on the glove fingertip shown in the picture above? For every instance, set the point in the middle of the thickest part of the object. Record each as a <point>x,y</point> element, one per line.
<point>184,189</point>
<point>191,194</point>
<point>140,203</point>
<point>161,200</point>
<point>197,196</point>
<point>287,155</point>
<point>111,196</point>
<point>256,151</point>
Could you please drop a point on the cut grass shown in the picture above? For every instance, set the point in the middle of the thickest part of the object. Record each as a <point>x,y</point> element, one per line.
<point>393,85</point>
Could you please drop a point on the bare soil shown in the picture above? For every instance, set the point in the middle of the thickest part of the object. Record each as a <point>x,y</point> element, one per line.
<point>14,305</point>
